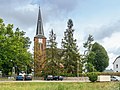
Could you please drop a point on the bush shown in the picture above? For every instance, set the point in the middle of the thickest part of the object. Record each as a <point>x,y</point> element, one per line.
<point>92,76</point>
<point>110,73</point>
<point>82,74</point>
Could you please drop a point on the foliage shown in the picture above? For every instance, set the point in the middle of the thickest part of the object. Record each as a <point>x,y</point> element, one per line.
<point>53,58</point>
<point>90,67</point>
<point>92,76</point>
<point>100,58</point>
<point>103,73</point>
<point>88,44</point>
<point>96,56</point>
<point>109,73</point>
<point>13,49</point>
<point>70,54</point>
<point>88,55</point>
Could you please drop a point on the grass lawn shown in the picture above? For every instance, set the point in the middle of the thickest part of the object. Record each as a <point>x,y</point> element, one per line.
<point>58,86</point>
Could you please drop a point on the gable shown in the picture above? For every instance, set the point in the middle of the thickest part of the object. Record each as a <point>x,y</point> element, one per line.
<point>116,59</point>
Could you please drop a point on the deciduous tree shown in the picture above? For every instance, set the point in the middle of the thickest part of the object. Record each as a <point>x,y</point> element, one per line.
<point>13,49</point>
<point>100,58</point>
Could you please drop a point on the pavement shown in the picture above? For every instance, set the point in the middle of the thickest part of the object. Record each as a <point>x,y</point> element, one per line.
<point>45,81</point>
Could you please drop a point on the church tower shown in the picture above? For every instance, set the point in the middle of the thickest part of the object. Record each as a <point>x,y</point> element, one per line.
<point>39,47</point>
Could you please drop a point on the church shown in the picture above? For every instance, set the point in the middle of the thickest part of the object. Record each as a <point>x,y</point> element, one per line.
<point>41,62</point>
<point>39,47</point>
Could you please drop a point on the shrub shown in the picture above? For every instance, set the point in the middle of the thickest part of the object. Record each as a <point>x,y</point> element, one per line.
<point>110,73</point>
<point>92,76</point>
<point>82,74</point>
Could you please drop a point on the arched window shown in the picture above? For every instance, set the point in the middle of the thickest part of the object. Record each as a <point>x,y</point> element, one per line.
<point>116,65</point>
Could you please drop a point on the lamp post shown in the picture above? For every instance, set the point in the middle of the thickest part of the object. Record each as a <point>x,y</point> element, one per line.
<point>13,68</point>
<point>26,69</point>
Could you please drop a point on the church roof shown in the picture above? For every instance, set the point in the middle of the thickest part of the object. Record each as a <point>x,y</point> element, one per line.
<point>39,30</point>
<point>116,59</point>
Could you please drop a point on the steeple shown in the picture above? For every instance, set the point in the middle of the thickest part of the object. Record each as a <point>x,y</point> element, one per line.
<point>39,47</point>
<point>39,30</point>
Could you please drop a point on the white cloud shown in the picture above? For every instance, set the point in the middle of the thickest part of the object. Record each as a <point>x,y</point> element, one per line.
<point>107,30</point>
<point>112,44</point>
<point>58,5</point>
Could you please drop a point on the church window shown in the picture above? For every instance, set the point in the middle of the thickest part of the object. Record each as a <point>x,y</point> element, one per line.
<point>116,65</point>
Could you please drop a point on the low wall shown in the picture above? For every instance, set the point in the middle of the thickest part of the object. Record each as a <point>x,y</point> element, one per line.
<point>104,78</point>
<point>76,78</point>
<point>38,78</point>
<point>65,78</point>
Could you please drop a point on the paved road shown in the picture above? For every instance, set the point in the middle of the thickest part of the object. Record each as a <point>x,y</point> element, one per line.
<point>47,81</point>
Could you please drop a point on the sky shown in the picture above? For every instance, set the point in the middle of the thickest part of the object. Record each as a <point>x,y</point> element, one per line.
<point>100,18</point>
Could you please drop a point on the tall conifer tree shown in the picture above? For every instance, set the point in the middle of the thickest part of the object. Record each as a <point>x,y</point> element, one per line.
<point>52,64</point>
<point>70,54</point>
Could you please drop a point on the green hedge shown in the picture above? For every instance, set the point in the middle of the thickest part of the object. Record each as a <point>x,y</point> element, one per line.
<point>102,73</point>
<point>109,73</point>
<point>83,74</point>
<point>93,76</point>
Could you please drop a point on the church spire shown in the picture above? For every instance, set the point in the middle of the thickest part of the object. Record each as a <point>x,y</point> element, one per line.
<point>39,47</point>
<point>39,30</point>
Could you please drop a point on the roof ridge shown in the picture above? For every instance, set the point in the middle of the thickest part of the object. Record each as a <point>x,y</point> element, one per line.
<point>116,59</point>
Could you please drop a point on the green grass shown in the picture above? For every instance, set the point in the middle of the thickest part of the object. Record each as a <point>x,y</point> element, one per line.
<point>58,86</point>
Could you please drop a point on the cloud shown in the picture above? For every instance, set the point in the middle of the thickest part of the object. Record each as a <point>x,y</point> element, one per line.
<point>59,5</point>
<point>108,36</point>
<point>26,10</point>
<point>11,3</point>
<point>63,5</point>
<point>53,9</point>
<point>26,16</point>
<point>20,13</point>
<point>107,30</point>
<point>112,44</point>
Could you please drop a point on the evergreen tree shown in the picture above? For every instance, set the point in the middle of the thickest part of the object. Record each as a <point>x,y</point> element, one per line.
<point>88,44</point>
<point>88,55</point>
<point>52,64</point>
<point>70,54</point>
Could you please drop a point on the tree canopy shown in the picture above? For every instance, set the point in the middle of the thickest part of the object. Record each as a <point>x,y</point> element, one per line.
<point>98,57</point>
<point>13,49</point>
<point>95,57</point>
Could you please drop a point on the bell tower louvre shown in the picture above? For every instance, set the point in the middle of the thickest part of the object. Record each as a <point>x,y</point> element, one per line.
<point>39,47</point>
